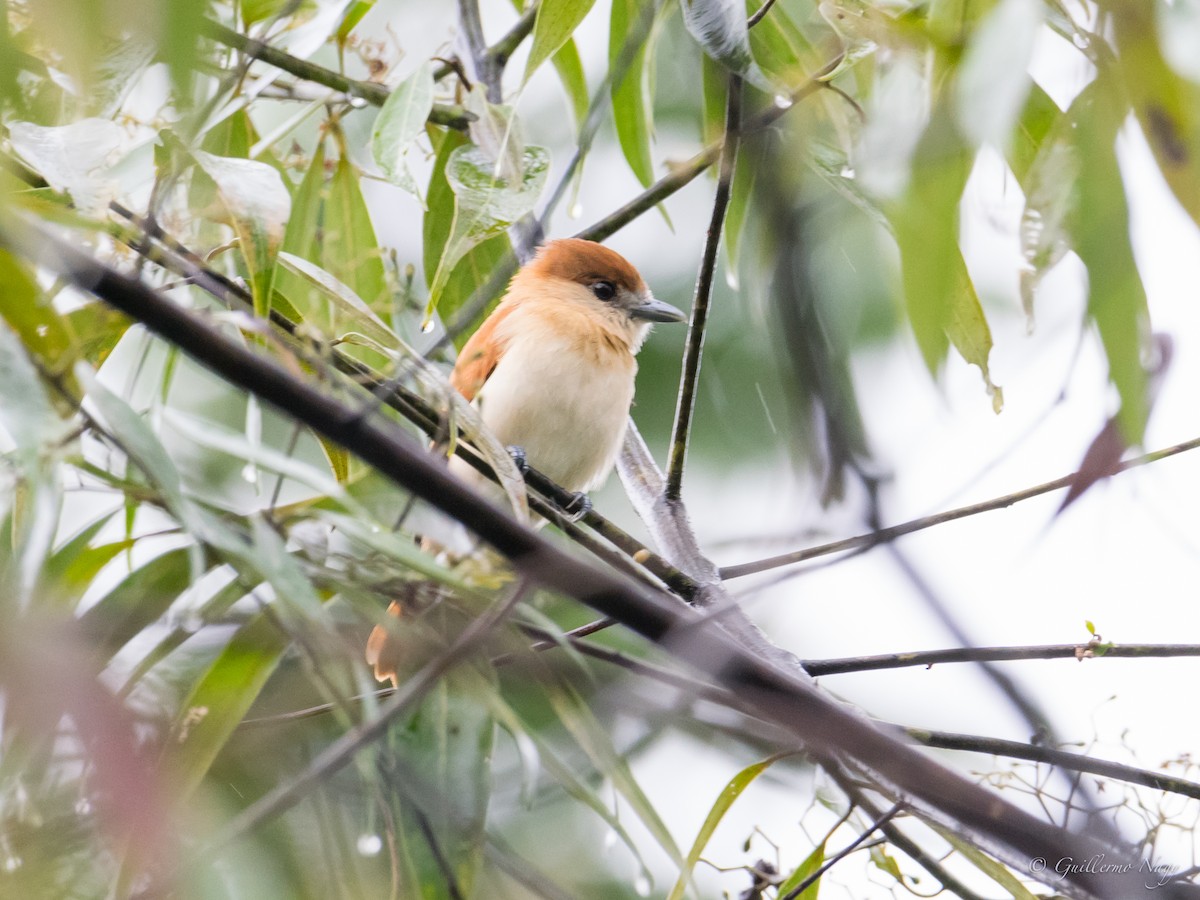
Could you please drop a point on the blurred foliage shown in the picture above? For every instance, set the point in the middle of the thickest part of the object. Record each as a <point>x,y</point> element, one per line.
<point>180,565</point>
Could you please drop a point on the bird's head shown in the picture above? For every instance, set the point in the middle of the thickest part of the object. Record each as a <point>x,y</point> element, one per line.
<point>597,282</point>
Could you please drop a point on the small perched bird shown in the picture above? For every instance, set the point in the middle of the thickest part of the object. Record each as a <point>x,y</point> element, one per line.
<point>552,372</point>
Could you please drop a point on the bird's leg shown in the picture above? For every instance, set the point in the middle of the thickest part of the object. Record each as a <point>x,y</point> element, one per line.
<point>577,507</point>
<point>519,457</point>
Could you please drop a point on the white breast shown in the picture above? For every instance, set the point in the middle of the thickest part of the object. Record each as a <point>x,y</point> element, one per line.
<point>565,406</point>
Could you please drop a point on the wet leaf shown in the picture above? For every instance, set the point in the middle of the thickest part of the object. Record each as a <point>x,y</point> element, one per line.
<point>570,72</point>
<point>400,122</point>
<point>349,249</point>
<point>349,312</point>
<point>968,329</point>
<point>258,206</point>
<point>485,203</point>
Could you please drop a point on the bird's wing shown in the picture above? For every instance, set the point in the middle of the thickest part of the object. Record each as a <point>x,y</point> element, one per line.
<point>480,355</point>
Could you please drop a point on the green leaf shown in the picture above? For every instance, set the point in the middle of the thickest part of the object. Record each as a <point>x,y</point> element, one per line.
<point>350,251</point>
<point>27,310</point>
<point>1033,126</point>
<point>631,101</point>
<point>99,328</point>
<point>595,742</point>
<point>258,206</point>
<point>219,701</point>
<point>570,72</point>
<point>1167,105</point>
<point>400,122</point>
<point>968,328</point>
<point>986,864</point>
<point>350,19</point>
<point>180,33</point>
<point>804,871</point>
<point>71,568</point>
<point>449,740</point>
<point>556,22</point>
<point>138,601</point>
<point>716,813</point>
<point>925,223</point>
<point>781,49</point>
<point>348,312</point>
<point>485,203</point>
<point>719,27</point>
<point>1116,297</point>
<point>472,271</point>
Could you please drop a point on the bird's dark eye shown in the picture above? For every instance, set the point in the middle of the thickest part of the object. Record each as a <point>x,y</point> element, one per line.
<point>604,290</point>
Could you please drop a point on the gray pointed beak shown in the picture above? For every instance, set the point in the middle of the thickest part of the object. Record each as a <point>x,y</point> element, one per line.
<point>653,310</point>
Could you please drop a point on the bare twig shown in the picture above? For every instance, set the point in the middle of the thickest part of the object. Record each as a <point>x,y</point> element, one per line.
<point>930,658</point>
<point>885,535</point>
<point>697,326</point>
<point>944,740</point>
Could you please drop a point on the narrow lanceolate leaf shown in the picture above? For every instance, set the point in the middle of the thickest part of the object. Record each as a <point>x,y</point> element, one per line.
<point>925,223</point>
<point>1050,181</point>
<point>1167,105</point>
<point>348,311</point>
<point>556,22</point>
<point>258,206</point>
<point>485,203</point>
<point>719,27</point>
<point>219,702</point>
<point>46,336</point>
<point>803,872</point>
<point>25,413</point>
<point>631,101</point>
<point>968,328</point>
<point>350,251</point>
<point>570,72</point>
<point>716,813</point>
<point>1037,118</point>
<point>138,601</point>
<point>400,122</point>
<point>1116,297</point>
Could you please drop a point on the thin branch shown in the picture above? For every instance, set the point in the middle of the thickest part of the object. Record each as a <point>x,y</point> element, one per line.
<point>930,658</point>
<point>825,725</point>
<point>759,14</point>
<point>376,94</point>
<point>487,68</point>
<point>697,326</point>
<point>886,535</point>
<point>892,832</point>
<point>944,740</point>
<point>500,51</point>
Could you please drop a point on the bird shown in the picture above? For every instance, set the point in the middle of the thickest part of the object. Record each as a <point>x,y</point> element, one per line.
<point>552,371</point>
